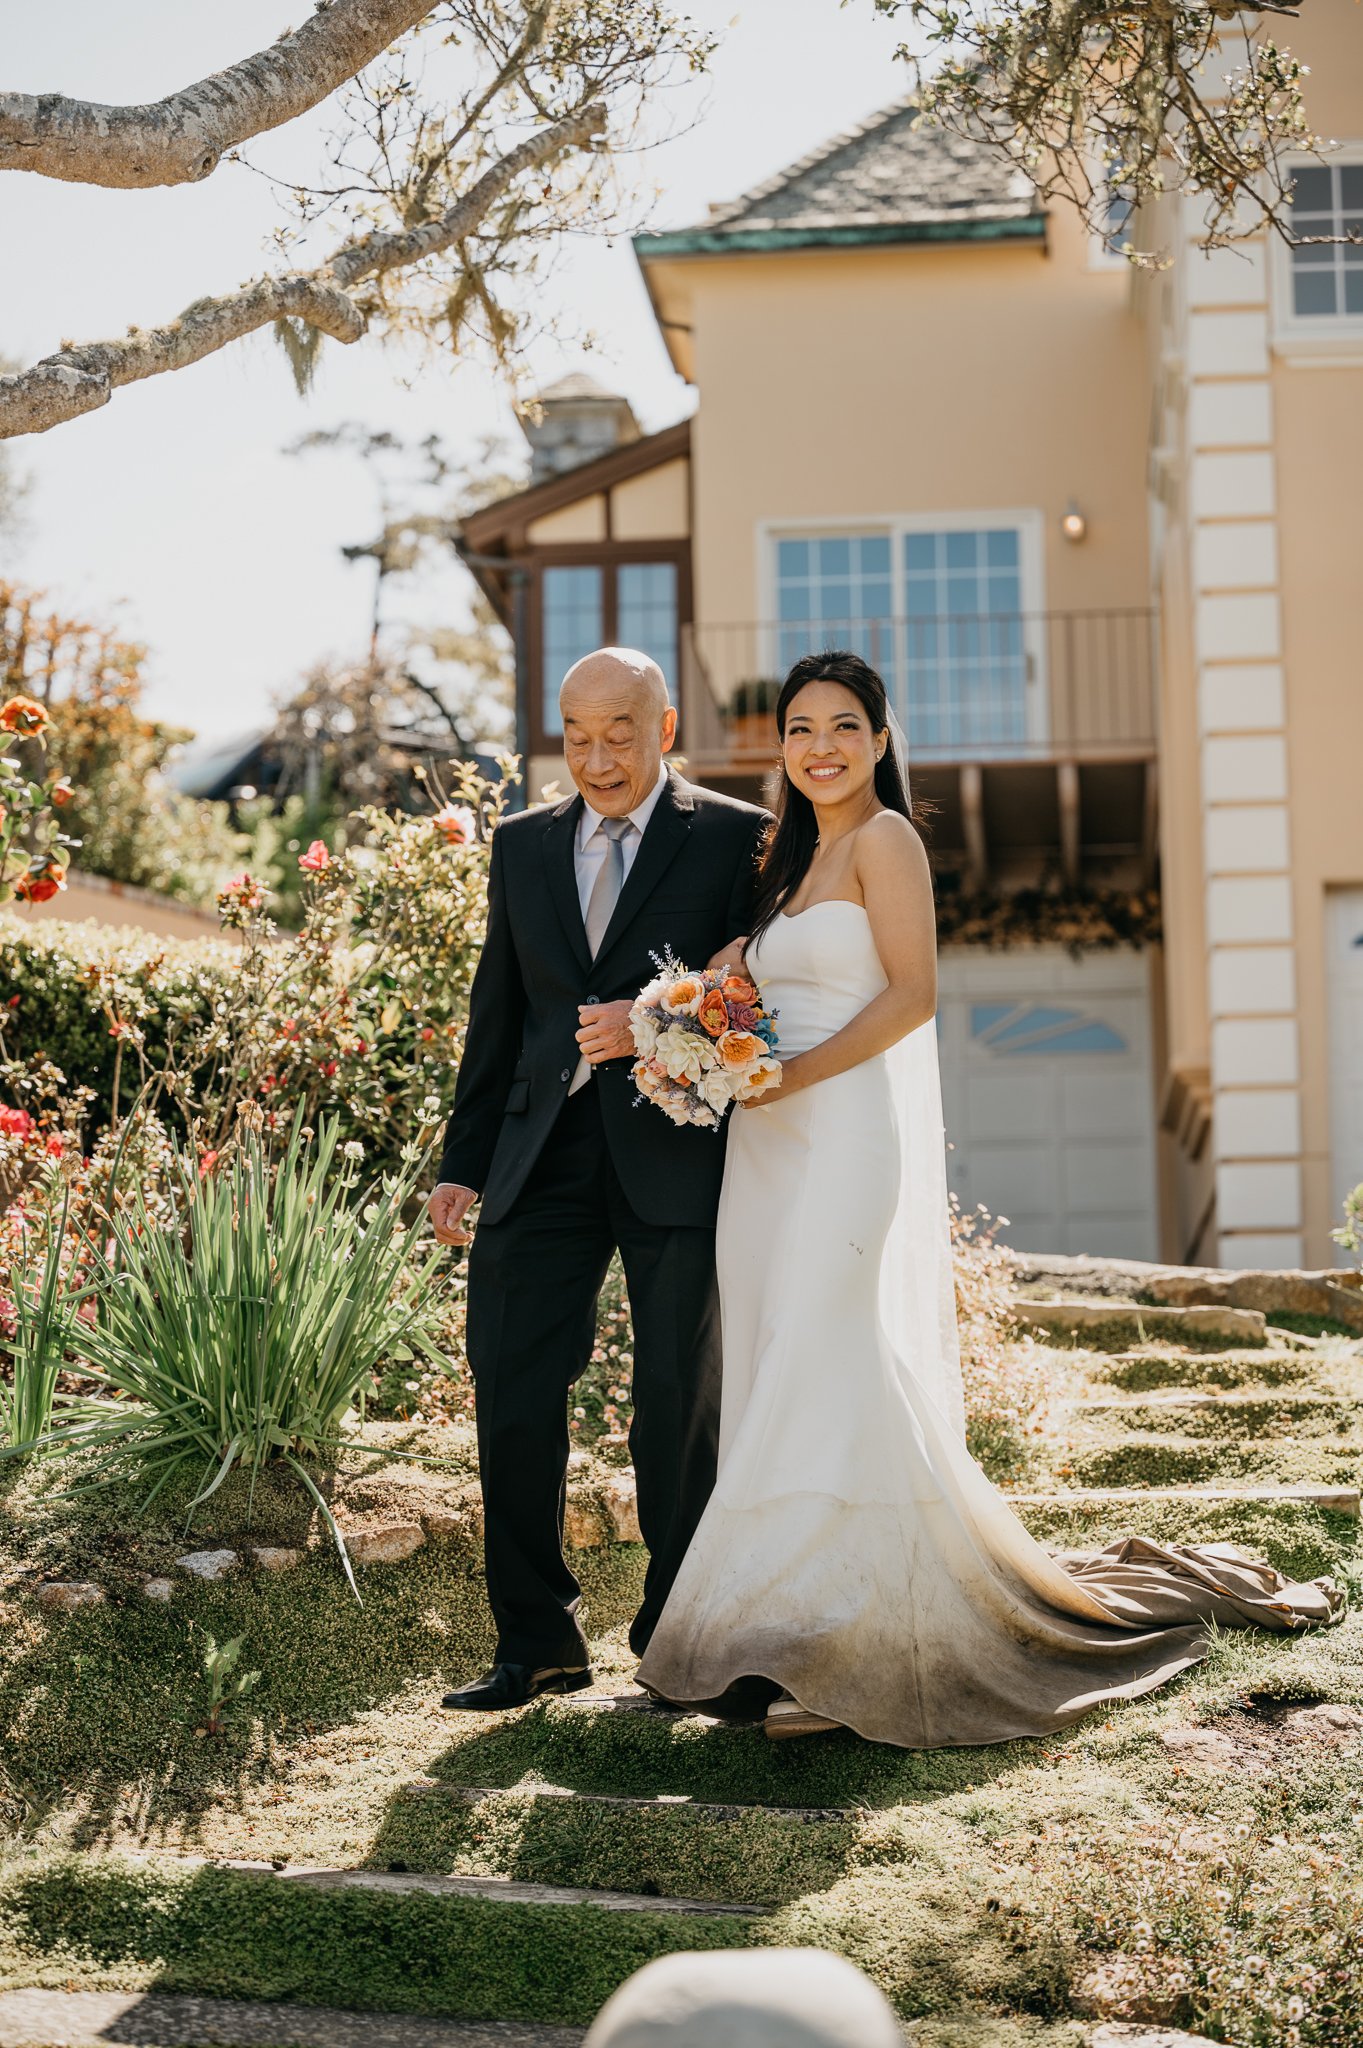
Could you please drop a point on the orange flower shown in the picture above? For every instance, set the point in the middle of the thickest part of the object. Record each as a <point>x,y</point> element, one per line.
<point>713,1014</point>
<point>738,989</point>
<point>62,791</point>
<point>41,883</point>
<point>739,1049</point>
<point>24,717</point>
<point>457,824</point>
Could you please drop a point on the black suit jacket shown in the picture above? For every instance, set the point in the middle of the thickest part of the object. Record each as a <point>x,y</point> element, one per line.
<point>690,889</point>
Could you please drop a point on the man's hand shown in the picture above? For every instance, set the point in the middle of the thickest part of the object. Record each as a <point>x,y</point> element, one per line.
<point>447,1207</point>
<point>605,1032</point>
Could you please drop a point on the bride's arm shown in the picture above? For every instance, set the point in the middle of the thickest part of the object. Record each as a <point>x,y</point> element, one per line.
<point>896,888</point>
<point>731,955</point>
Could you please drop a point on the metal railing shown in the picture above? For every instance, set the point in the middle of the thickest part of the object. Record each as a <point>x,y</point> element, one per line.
<point>966,687</point>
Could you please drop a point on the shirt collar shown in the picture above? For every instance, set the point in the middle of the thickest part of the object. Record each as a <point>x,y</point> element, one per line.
<point>592,821</point>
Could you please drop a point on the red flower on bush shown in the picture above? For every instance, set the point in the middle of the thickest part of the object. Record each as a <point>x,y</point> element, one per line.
<point>54,1147</point>
<point>457,824</point>
<point>62,791</point>
<point>316,860</point>
<point>242,892</point>
<point>43,880</point>
<point>24,717</point>
<point>327,1067</point>
<point>206,1164</point>
<point>15,1123</point>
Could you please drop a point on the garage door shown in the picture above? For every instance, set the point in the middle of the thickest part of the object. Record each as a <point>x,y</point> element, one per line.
<point>1344,943</point>
<point>1048,1091</point>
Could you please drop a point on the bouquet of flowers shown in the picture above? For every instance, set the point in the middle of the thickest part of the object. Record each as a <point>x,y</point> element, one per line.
<point>704,1041</point>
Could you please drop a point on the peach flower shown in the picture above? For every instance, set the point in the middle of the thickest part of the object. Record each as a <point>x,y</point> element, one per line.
<point>764,1075</point>
<point>739,1050</point>
<point>24,717</point>
<point>713,1013</point>
<point>684,996</point>
<point>738,989</point>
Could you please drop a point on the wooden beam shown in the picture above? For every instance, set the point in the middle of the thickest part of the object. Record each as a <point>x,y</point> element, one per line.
<point>1067,790</point>
<point>1150,825</point>
<point>972,824</point>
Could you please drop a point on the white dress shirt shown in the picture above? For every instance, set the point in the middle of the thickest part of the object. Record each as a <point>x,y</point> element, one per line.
<point>589,855</point>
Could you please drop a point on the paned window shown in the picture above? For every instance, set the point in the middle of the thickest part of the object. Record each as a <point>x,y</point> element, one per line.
<point>573,604</point>
<point>1327,277</point>
<point>646,613</point>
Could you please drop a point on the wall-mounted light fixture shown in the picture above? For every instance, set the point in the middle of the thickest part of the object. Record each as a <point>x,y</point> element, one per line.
<point>1073,524</point>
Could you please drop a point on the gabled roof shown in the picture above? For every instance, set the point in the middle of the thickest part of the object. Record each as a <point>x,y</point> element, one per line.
<point>896,178</point>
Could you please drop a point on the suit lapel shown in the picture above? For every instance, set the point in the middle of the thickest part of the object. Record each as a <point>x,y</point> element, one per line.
<point>663,839</point>
<point>560,843</point>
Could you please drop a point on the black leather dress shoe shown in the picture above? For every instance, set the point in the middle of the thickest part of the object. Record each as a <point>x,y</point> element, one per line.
<point>515,1685</point>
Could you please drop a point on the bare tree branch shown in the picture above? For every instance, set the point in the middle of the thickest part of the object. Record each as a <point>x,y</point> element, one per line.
<point>180,139</point>
<point>82,377</point>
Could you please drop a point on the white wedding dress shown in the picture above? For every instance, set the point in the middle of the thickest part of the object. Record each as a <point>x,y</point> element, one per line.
<point>853,1552</point>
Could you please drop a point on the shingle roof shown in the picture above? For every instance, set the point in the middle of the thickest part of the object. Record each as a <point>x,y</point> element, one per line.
<point>891,179</point>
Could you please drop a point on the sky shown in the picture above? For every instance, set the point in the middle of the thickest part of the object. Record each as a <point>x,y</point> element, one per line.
<point>176,508</point>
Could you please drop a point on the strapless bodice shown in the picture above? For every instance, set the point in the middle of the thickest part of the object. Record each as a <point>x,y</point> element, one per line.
<point>816,969</point>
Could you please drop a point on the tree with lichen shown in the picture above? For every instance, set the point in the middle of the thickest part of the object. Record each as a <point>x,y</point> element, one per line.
<point>470,134</point>
<point>1123,100</point>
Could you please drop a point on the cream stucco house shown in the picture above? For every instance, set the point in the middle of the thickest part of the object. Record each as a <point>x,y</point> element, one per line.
<point>1099,528</point>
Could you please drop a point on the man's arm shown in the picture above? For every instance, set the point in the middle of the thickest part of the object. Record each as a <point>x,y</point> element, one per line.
<point>492,1047</point>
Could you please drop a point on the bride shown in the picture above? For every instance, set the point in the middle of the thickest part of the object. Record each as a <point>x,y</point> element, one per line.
<point>853,1554</point>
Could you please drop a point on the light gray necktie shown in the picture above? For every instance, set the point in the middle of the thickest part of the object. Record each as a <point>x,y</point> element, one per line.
<point>609,882</point>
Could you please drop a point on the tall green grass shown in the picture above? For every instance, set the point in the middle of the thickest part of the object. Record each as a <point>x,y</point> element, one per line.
<point>45,1300</point>
<point>246,1324</point>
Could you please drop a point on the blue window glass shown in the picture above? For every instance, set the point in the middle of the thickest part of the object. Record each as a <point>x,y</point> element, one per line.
<point>646,613</point>
<point>836,590</point>
<point>965,678</point>
<point>572,617</point>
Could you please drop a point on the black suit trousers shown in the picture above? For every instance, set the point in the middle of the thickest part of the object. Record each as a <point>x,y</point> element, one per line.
<point>534,1279</point>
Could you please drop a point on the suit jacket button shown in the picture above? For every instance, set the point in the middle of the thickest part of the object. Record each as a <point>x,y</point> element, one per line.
<point>591,999</point>
<point>566,1075</point>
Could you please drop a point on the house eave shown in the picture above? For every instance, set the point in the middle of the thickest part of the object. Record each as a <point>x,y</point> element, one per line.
<point>1027,227</point>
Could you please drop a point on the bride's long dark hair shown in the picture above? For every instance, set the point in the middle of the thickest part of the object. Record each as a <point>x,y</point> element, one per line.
<point>791,842</point>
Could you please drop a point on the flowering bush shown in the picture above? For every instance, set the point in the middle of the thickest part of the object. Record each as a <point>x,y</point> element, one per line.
<point>1003,1375</point>
<point>34,851</point>
<point>359,1015</point>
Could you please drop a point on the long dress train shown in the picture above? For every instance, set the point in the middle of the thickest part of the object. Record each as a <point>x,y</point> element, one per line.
<point>853,1552</point>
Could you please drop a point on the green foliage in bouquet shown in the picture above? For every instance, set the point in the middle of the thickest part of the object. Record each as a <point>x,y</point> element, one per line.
<point>246,1326</point>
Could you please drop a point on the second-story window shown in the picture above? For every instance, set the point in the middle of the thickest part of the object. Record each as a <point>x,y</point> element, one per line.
<point>1327,276</point>
<point>574,623</point>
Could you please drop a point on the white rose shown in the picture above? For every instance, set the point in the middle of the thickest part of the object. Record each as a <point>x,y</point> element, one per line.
<point>679,1054</point>
<point>717,1088</point>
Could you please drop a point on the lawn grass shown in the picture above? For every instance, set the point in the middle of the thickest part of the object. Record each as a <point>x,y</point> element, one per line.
<point>982,1888</point>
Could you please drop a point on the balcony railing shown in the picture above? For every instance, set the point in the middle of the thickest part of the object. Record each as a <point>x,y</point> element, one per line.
<point>967,687</point>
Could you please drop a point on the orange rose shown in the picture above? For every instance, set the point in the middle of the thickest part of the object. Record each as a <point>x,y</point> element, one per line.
<point>738,989</point>
<point>40,884</point>
<point>684,995</point>
<point>25,717</point>
<point>713,1014</point>
<point>740,1049</point>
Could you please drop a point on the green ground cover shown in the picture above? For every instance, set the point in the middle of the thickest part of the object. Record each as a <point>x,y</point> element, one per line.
<point>1193,1855</point>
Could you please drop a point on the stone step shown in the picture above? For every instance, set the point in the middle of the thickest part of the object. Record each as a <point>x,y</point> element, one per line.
<point>1262,1412</point>
<point>1331,1295</point>
<point>1141,1371</point>
<point>662,1802</point>
<point>154,2019</point>
<point>1336,1500</point>
<point>405,1883</point>
<point>1112,1324</point>
<point>1159,1457</point>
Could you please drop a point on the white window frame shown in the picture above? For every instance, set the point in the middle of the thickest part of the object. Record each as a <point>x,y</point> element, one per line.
<point>1323,338</point>
<point>1030,524</point>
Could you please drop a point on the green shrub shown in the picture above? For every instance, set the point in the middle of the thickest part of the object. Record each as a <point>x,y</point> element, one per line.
<point>245,1326</point>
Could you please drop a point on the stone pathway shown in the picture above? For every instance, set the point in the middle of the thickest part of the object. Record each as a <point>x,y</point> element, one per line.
<point>90,2019</point>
